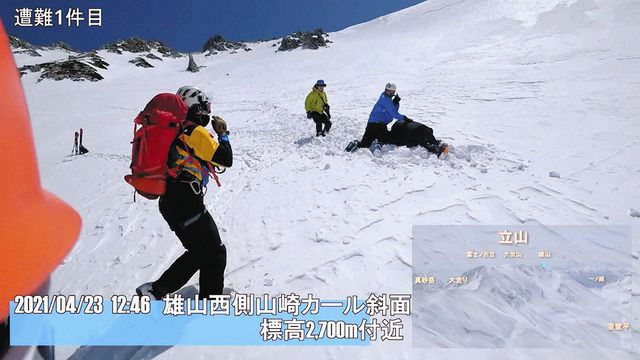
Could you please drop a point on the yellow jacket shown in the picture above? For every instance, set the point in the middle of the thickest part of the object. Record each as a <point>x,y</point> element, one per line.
<point>315,101</point>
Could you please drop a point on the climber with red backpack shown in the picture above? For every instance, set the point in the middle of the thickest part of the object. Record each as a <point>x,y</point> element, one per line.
<point>173,158</point>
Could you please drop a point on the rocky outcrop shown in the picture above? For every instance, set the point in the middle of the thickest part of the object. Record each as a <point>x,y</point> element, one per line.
<point>217,43</point>
<point>192,67</point>
<point>62,45</point>
<point>17,43</point>
<point>82,67</point>
<point>165,50</point>
<point>137,45</point>
<point>141,62</point>
<point>305,40</point>
<point>20,46</point>
<point>31,52</point>
<point>74,70</point>
<point>92,58</point>
<point>134,45</point>
<point>153,57</point>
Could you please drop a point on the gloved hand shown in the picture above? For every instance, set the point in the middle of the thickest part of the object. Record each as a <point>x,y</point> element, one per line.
<point>219,126</point>
<point>326,108</point>
<point>309,115</point>
<point>396,99</point>
<point>407,120</point>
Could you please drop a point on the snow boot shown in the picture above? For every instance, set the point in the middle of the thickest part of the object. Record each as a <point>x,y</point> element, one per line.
<point>353,146</point>
<point>438,148</point>
<point>147,289</point>
<point>376,148</point>
<point>442,149</point>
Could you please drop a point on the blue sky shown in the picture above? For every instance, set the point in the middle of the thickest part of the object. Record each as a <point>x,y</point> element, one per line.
<point>186,24</point>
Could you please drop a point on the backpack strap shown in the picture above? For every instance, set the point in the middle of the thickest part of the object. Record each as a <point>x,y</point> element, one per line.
<point>175,171</point>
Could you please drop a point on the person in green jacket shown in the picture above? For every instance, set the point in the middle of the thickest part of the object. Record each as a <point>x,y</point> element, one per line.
<point>317,108</point>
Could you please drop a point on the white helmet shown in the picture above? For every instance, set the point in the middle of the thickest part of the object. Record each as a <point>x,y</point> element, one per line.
<point>192,95</point>
<point>390,86</point>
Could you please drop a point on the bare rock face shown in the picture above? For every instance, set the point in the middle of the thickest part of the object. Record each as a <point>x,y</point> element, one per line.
<point>75,70</point>
<point>137,45</point>
<point>153,57</point>
<point>31,52</point>
<point>192,65</point>
<point>134,45</point>
<point>163,49</point>
<point>91,58</point>
<point>306,40</point>
<point>62,45</point>
<point>17,43</point>
<point>80,67</point>
<point>141,62</point>
<point>217,43</point>
<point>20,46</point>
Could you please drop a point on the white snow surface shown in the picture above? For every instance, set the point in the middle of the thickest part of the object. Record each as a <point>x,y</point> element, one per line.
<point>519,88</point>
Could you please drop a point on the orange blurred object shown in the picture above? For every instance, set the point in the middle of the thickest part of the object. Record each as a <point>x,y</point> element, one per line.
<point>37,230</point>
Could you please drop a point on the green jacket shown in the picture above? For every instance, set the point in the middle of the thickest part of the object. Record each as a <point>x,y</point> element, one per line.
<point>315,101</point>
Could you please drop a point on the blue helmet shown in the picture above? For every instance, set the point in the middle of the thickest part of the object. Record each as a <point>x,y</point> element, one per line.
<point>320,83</point>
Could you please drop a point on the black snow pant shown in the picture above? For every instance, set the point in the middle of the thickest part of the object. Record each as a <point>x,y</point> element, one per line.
<point>374,131</point>
<point>422,136</point>
<point>320,119</point>
<point>187,216</point>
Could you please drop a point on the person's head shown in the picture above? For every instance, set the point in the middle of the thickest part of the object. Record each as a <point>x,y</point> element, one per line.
<point>390,89</point>
<point>198,103</point>
<point>320,85</point>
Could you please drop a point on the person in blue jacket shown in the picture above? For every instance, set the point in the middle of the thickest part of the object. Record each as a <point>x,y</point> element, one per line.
<point>384,111</point>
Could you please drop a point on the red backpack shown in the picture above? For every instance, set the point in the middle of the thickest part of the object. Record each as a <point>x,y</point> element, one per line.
<point>160,122</point>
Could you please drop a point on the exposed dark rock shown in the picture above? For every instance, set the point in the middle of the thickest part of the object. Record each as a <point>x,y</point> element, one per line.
<point>91,58</point>
<point>75,70</point>
<point>305,40</point>
<point>31,52</point>
<point>61,45</point>
<point>154,57</point>
<point>97,61</point>
<point>192,65</point>
<point>217,43</point>
<point>18,43</point>
<point>136,45</point>
<point>163,49</point>
<point>141,62</point>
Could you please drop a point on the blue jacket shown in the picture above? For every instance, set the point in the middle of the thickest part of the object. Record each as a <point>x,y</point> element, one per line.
<point>384,111</point>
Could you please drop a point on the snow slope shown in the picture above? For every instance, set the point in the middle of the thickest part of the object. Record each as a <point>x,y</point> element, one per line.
<point>520,88</point>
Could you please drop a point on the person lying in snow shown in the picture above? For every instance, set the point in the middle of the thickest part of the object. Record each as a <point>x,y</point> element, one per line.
<point>406,133</point>
<point>413,133</point>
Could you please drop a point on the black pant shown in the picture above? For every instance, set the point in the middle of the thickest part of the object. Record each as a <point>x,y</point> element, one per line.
<point>186,215</point>
<point>374,131</point>
<point>320,119</point>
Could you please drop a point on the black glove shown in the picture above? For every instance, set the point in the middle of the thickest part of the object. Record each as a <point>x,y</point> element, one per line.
<point>326,107</point>
<point>328,114</point>
<point>396,99</point>
<point>407,120</point>
<point>309,115</point>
